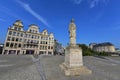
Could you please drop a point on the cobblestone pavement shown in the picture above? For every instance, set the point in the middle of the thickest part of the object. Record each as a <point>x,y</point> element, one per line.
<point>25,67</point>
<point>39,66</point>
<point>103,68</point>
<point>18,67</point>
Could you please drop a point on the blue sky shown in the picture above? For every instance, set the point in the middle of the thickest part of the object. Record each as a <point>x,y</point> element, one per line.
<point>96,20</point>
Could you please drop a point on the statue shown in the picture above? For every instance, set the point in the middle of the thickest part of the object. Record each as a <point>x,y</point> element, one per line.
<point>72,32</point>
<point>73,63</point>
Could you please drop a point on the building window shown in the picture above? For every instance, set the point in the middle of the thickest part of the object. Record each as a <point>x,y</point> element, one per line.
<point>14,33</point>
<point>19,29</point>
<point>45,47</point>
<point>11,45</point>
<point>17,39</point>
<point>24,46</point>
<point>7,44</point>
<point>41,42</point>
<point>13,39</point>
<point>18,34</point>
<point>20,40</point>
<point>15,28</point>
<point>48,47</point>
<point>46,38</point>
<point>28,41</point>
<point>41,37</point>
<point>30,30</point>
<point>51,47</point>
<point>37,42</point>
<point>10,32</point>
<point>15,45</point>
<point>25,40</point>
<point>31,41</point>
<point>33,31</point>
<point>27,35</point>
<point>21,34</point>
<point>9,38</point>
<point>40,47</point>
<point>32,36</point>
<point>19,45</point>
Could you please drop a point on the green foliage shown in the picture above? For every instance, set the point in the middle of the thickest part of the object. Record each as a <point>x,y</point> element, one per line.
<point>102,54</point>
<point>88,52</point>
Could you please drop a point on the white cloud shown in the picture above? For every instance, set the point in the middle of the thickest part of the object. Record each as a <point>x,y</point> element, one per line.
<point>91,3</point>
<point>77,1</point>
<point>32,12</point>
<point>94,3</point>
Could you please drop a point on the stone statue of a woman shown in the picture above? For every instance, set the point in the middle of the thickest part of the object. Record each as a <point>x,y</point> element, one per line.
<point>72,32</point>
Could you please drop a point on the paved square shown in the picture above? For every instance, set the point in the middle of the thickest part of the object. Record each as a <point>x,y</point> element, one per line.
<point>103,68</point>
<point>18,67</point>
<point>25,67</point>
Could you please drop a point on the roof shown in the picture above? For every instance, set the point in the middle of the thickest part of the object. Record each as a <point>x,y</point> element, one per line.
<point>104,44</point>
<point>33,26</point>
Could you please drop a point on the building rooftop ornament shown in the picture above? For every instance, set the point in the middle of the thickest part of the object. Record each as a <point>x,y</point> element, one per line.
<point>18,23</point>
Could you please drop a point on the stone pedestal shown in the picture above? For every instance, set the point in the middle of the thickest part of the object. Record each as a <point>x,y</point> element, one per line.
<point>73,64</point>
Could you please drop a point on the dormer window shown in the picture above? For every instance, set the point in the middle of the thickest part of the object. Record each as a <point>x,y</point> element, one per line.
<point>19,29</point>
<point>44,32</point>
<point>15,28</point>
<point>30,30</point>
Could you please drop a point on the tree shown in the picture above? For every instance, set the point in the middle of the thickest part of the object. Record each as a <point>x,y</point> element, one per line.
<point>86,51</point>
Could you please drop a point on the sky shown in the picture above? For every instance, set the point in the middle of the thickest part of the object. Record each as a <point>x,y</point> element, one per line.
<point>96,20</point>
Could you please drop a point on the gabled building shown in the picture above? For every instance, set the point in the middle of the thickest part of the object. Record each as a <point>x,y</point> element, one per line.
<point>19,41</point>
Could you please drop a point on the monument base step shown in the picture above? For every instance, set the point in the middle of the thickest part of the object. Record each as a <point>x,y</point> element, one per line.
<point>75,71</point>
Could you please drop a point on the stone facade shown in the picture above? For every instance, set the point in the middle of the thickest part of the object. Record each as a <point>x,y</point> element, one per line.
<point>19,41</point>
<point>104,47</point>
<point>91,45</point>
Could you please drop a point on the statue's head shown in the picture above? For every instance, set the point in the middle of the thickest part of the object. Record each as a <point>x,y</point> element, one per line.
<point>72,20</point>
